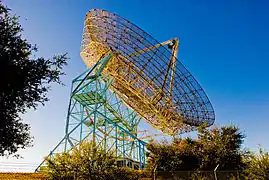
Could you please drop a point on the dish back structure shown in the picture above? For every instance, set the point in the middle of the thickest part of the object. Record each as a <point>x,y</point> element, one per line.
<point>146,74</point>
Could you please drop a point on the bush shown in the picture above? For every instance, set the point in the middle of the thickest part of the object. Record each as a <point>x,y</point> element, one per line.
<point>258,166</point>
<point>87,162</point>
<point>123,173</point>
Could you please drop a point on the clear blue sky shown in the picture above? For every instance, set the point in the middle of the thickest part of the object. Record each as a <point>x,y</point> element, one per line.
<point>223,43</point>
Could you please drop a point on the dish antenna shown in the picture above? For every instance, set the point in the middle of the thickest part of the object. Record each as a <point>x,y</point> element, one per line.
<point>130,77</point>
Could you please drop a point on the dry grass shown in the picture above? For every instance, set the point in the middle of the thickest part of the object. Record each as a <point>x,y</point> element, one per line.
<point>26,176</point>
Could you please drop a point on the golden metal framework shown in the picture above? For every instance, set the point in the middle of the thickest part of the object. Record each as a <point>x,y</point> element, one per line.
<point>146,74</point>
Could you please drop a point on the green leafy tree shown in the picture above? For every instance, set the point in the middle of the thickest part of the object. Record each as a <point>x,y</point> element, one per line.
<point>25,81</point>
<point>83,162</point>
<point>164,158</point>
<point>215,147</point>
<point>221,147</point>
<point>180,155</point>
<point>87,161</point>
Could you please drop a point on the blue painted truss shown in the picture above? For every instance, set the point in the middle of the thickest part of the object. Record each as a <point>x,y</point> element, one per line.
<point>96,113</point>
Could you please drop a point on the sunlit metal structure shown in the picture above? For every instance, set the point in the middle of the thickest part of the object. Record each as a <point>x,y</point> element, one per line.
<point>130,77</point>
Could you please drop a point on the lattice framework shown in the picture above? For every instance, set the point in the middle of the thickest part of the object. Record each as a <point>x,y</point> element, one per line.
<point>146,73</point>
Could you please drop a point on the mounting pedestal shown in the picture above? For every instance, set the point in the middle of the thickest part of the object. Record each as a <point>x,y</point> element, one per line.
<point>96,113</point>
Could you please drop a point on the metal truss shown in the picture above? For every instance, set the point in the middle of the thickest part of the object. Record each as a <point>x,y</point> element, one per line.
<point>131,76</point>
<point>147,74</point>
<point>96,113</point>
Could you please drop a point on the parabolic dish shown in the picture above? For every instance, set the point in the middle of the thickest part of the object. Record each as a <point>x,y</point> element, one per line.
<point>138,72</point>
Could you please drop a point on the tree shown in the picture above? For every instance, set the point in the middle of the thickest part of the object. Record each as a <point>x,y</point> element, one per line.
<point>214,147</point>
<point>258,165</point>
<point>87,161</point>
<point>221,147</point>
<point>181,155</point>
<point>83,162</point>
<point>25,81</point>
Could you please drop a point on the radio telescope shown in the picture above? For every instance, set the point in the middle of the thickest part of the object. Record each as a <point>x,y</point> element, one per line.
<point>130,77</point>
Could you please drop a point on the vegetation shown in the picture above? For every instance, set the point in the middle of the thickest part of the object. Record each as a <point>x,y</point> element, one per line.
<point>24,83</point>
<point>23,176</point>
<point>215,148</point>
<point>258,165</point>
<point>27,80</point>
<point>87,161</point>
<point>187,158</point>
